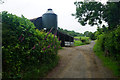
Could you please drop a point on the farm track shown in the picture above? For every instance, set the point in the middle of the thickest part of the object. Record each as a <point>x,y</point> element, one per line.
<point>79,62</point>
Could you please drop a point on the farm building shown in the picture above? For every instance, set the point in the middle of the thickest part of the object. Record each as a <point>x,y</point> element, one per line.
<point>49,20</point>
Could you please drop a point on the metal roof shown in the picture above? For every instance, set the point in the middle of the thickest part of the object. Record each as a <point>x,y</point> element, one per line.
<point>49,11</point>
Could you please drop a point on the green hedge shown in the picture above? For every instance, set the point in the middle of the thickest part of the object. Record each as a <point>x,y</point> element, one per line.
<point>107,48</point>
<point>25,48</point>
<point>110,43</point>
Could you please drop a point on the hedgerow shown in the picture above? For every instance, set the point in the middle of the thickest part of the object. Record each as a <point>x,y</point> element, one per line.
<point>107,48</point>
<point>24,48</point>
<point>110,43</point>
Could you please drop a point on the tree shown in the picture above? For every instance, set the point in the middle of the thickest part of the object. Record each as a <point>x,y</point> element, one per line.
<point>112,14</point>
<point>90,34</point>
<point>1,1</point>
<point>94,13</point>
<point>86,33</point>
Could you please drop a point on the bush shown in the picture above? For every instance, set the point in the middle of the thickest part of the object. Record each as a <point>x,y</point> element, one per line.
<point>100,40</point>
<point>25,48</point>
<point>107,48</point>
<point>108,62</point>
<point>110,43</point>
<point>85,40</point>
<point>78,43</point>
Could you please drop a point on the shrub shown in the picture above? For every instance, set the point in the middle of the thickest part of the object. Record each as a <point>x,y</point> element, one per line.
<point>100,40</point>
<point>110,43</point>
<point>78,43</point>
<point>25,48</point>
<point>85,40</point>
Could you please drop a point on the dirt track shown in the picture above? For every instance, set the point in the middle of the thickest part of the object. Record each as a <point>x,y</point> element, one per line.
<point>79,62</point>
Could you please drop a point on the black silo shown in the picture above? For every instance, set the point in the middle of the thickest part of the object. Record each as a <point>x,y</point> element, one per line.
<point>49,20</point>
<point>37,22</point>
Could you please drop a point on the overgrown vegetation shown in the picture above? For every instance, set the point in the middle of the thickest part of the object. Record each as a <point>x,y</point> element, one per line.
<point>81,41</point>
<point>107,46</point>
<point>90,35</point>
<point>76,34</point>
<point>110,43</point>
<point>109,62</point>
<point>26,51</point>
<point>72,33</point>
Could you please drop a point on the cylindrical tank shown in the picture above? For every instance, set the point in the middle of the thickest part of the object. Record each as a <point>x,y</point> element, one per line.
<point>49,20</point>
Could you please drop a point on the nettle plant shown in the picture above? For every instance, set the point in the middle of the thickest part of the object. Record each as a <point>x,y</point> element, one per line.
<point>24,47</point>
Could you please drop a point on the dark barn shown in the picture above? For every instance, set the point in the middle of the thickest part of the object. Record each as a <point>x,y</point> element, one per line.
<point>48,21</point>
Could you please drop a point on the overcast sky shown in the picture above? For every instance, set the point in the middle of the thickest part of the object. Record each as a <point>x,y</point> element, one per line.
<point>35,8</point>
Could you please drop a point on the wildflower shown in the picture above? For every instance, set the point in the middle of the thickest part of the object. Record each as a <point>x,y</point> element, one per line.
<point>48,33</point>
<point>55,34</point>
<point>51,30</point>
<point>20,37</point>
<point>43,49</point>
<point>58,39</point>
<point>33,47</point>
<point>30,35</point>
<point>49,46</point>
<point>45,37</point>
<point>60,42</point>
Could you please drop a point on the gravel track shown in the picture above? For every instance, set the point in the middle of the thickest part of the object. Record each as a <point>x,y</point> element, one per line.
<point>79,62</point>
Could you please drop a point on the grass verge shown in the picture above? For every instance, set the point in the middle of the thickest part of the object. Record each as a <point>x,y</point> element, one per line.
<point>108,62</point>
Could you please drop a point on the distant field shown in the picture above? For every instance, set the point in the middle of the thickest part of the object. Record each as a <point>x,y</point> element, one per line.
<point>82,37</point>
<point>79,42</point>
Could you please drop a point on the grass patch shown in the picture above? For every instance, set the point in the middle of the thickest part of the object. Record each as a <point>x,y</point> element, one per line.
<point>82,37</point>
<point>78,43</point>
<point>108,62</point>
<point>82,41</point>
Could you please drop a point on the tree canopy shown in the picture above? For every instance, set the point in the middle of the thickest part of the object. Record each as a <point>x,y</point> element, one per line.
<point>94,13</point>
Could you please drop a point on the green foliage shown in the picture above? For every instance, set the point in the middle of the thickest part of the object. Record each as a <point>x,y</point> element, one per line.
<point>78,43</point>
<point>110,43</point>
<point>89,13</point>
<point>100,40</point>
<point>75,34</point>
<point>85,40</point>
<point>109,62</point>
<point>25,48</point>
<point>94,13</point>
<point>111,14</point>
<point>81,41</point>
<point>72,33</point>
<point>90,35</point>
